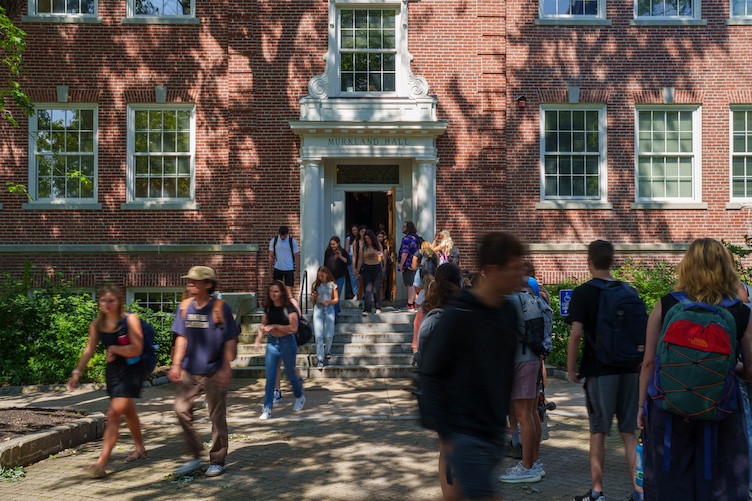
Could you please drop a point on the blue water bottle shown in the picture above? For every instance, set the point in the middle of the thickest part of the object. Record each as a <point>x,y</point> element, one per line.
<point>638,462</point>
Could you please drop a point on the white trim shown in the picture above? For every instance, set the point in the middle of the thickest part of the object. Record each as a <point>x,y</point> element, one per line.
<point>741,201</point>
<point>672,202</point>
<point>132,17</point>
<point>132,291</point>
<point>602,156</point>
<point>48,203</point>
<point>32,9</point>
<point>745,18</point>
<point>156,203</point>
<point>696,13</point>
<point>600,15</point>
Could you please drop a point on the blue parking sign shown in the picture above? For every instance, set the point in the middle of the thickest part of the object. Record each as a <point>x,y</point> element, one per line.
<point>565,295</point>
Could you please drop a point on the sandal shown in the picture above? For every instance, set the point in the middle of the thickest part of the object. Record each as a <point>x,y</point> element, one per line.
<point>137,456</point>
<point>95,471</point>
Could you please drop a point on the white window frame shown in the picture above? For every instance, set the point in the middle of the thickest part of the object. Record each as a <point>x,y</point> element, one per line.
<point>747,15</point>
<point>696,13</point>
<point>131,147</point>
<point>733,154</point>
<point>33,10</point>
<point>132,291</point>
<point>602,154</point>
<point>33,187</point>
<point>133,18</point>
<point>600,14</point>
<point>696,156</point>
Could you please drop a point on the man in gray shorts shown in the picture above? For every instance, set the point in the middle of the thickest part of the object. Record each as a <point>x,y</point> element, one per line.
<point>609,389</point>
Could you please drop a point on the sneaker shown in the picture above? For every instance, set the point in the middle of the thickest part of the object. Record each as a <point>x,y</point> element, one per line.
<point>188,468</point>
<point>277,396</point>
<point>328,356</point>
<point>538,466</point>
<point>215,470</point>
<point>378,311</point>
<point>366,313</point>
<point>588,496</point>
<point>519,474</point>
<point>320,366</point>
<point>299,403</point>
<point>410,307</point>
<point>266,414</point>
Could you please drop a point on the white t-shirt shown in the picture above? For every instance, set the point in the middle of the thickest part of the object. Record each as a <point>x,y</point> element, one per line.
<point>284,258</point>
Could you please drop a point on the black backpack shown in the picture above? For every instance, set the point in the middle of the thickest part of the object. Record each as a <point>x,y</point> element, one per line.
<point>305,331</point>
<point>620,325</point>
<point>427,265</point>
<point>289,239</point>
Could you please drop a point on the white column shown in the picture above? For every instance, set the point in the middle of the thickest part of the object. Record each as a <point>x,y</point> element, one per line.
<point>424,197</point>
<point>311,218</point>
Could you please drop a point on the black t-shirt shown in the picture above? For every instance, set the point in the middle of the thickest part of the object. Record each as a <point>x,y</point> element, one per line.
<point>278,315</point>
<point>583,308</point>
<point>335,264</point>
<point>739,311</point>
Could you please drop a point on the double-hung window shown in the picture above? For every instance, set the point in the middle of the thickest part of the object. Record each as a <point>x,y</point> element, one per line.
<point>63,156</point>
<point>573,153</point>
<point>368,39</point>
<point>741,9</point>
<point>667,9</point>
<point>668,154</point>
<point>563,9</point>
<point>162,8</point>
<point>161,153</point>
<point>62,7</point>
<point>741,154</point>
<point>158,300</point>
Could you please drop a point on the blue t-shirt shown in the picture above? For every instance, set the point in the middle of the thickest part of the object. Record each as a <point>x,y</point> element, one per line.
<point>205,340</point>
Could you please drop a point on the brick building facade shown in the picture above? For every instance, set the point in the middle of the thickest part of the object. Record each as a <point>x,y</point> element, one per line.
<point>170,133</point>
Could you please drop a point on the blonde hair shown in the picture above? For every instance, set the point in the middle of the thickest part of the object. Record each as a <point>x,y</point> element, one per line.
<point>446,240</point>
<point>426,249</point>
<point>707,272</point>
<point>118,293</point>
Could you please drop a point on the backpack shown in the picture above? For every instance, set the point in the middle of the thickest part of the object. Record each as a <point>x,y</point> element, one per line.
<point>149,350</point>
<point>620,326</point>
<point>539,323</point>
<point>427,265</point>
<point>218,317</point>
<point>695,360</point>
<point>305,331</point>
<point>289,239</point>
<point>425,329</point>
<point>454,256</point>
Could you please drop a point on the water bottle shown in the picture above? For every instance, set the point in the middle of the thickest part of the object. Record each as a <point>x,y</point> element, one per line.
<point>123,340</point>
<point>638,462</point>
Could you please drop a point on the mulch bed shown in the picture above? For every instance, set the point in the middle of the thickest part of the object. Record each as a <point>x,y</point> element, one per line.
<point>19,421</point>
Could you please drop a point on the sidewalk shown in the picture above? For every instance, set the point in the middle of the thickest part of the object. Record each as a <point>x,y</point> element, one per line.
<point>355,440</point>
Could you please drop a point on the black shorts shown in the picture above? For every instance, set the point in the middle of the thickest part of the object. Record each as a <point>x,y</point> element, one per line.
<point>286,277</point>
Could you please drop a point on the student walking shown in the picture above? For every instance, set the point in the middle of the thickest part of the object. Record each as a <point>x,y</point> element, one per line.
<point>609,389</point>
<point>696,458</point>
<point>325,297</point>
<point>466,373</point>
<point>206,344</point>
<point>123,338</point>
<point>280,323</point>
<point>369,267</point>
<point>408,248</point>
<point>337,260</point>
<point>282,251</point>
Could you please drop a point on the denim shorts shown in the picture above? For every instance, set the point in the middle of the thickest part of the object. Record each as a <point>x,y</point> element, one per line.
<point>472,463</point>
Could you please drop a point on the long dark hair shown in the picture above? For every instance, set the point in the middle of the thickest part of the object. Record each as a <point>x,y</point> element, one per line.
<point>374,243</point>
<point>447,283</point>
<point>410,227</point>
<point>285,298</point>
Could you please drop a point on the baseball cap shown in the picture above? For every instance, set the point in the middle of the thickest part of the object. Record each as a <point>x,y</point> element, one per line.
<point>201,273</point>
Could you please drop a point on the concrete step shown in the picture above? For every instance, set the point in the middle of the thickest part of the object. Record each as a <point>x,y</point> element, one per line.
<point>309,359</point>
<point>359,371</point>
<point>389,315</point>
<point>344,348</point>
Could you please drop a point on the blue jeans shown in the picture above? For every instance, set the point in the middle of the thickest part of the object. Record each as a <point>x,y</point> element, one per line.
<point>341,291</point>
<point>287,348</point>
<point>353,281</point>
<point>323,329</point>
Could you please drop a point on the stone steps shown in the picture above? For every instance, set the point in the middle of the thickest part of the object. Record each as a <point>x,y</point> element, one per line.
<point>363,346</point>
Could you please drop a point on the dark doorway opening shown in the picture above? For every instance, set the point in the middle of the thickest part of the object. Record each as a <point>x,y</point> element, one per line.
<point>367,207</point>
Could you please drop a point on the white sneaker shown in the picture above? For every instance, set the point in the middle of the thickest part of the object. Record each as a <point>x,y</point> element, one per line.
<point>266,414</point>
<point>538,466</point>
<point>277,396</point>
<point>215,470</point>
<point>519,474</point>
<point>299,403</point>
<point>188,468</point>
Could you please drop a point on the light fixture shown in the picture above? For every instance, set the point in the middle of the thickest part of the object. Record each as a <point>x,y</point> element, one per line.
<point>521,101</point>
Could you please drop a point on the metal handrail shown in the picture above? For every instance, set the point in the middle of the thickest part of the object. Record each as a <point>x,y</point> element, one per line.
<point>304,290</point>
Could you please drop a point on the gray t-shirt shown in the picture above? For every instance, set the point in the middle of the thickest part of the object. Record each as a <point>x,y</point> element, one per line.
<point>325,292</point>
<point>283,257</point>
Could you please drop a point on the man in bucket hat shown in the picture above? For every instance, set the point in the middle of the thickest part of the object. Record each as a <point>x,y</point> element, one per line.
<point>206,343</point>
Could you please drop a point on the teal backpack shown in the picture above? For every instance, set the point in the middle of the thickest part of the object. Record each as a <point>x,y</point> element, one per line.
<point>695,361</point>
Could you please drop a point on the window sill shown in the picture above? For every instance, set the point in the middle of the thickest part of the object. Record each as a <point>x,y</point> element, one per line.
<point>572,22</point>
<point>738,205</point>
<point>668,22</point>
<point>552,205</point>
<point>62,19</point>
<point>160,20</point>
<point>62,206</point>
<point>160,205</point>
<point>669,206</point>
<point>739,21</point>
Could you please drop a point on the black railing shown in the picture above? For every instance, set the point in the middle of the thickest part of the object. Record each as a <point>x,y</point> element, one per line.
<point>304,291</point>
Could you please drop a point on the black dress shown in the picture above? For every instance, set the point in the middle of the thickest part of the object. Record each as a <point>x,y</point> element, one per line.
<point>123,379</point>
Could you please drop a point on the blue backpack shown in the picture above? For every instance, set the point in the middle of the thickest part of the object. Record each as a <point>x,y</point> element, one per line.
<point>149,353</point>
<point>620,326</point>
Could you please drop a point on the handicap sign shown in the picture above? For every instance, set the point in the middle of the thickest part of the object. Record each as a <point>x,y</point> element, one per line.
<point>565,295</point>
